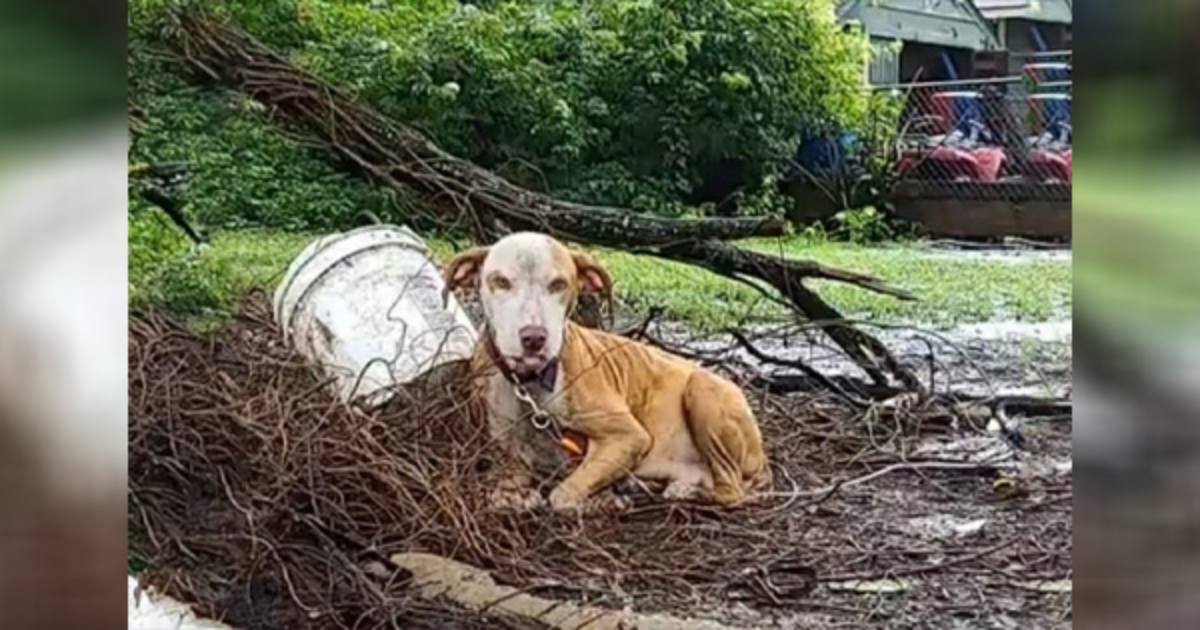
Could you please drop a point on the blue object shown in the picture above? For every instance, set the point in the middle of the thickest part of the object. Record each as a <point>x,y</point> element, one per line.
<point>1056,113</point>
<point>1048,71</point>
<point>965,108</point>
<point>1059,72</point>
<point>1038,40</point>
<point>827,152</point>
<point>948,64</point>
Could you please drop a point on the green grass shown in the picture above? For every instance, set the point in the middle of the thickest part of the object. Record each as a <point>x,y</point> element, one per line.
<point>951,291</point>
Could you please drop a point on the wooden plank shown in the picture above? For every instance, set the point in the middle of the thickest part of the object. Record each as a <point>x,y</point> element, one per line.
<point>1015,192</point>
<point>988,218</point>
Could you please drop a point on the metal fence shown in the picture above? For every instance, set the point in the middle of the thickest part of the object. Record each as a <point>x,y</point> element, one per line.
<point>991,138</point>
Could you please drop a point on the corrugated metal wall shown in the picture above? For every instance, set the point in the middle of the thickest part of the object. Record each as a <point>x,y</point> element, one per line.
<point>884,67</point>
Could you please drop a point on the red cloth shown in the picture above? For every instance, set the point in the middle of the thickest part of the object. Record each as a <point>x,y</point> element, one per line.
<point>1045,165</point>
<point>982,164</point>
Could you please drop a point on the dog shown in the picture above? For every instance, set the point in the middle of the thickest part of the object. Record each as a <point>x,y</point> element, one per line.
<point>639,410</point>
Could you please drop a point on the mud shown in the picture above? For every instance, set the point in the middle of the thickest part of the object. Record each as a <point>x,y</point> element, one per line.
<point>980,359</point>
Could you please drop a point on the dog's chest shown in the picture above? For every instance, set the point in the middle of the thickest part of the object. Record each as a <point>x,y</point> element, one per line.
<point>534,428</point>
<point>545,420</point>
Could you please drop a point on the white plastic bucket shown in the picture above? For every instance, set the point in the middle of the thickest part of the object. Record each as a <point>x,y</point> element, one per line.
<point>367,305</point>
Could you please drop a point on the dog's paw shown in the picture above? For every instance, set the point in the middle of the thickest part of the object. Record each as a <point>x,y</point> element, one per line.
<point>566,501</point>
<point>608,503</point>
<point>512,499</point>
<point>682,491</point>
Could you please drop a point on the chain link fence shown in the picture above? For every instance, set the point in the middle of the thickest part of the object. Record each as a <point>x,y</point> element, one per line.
<point>998,138</point>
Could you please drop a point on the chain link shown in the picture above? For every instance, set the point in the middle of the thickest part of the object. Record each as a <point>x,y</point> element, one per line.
<point>540,418</point>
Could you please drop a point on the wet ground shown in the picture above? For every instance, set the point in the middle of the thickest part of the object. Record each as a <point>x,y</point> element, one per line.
<point>941,548</point>
<point>979,359</point>
<point>1016,254</point>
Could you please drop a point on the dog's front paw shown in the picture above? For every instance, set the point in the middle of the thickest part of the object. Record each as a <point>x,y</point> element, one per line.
<point>515,499</point>
<point>682,491</point>
<point>567,499</point>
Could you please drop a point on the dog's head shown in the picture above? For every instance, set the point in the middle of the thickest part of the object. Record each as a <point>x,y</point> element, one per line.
<point>529,284</point>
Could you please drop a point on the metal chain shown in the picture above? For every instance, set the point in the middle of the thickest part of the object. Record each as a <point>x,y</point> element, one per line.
<point>540,418</point>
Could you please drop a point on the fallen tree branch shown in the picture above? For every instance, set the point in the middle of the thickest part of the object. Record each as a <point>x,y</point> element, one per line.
<point>465,195</point>
<point>807,370</point>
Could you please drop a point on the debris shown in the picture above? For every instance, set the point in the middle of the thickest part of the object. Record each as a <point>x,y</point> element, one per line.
<point>872,586</point>
<point>150,611</point>
<point>1047,586</point>
<point>970,527</point>
<point>473,589</point>
<point>944,526</point>
<point>257,495</point>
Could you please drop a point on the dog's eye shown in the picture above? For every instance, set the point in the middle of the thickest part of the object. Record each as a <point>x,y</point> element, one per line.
<point>499,283</point>
<point>558,285</point>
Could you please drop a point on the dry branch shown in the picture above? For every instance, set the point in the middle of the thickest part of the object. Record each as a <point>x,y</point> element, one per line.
<point>464,195</point>
<point>257,496</point>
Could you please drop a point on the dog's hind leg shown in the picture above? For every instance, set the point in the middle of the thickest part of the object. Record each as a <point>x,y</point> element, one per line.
<point>725,433</point>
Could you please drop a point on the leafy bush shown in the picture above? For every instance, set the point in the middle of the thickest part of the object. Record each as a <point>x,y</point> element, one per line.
<point>628,102</point>
<point>243,170</point>
<point>166,272</point>
<point>864,225</point>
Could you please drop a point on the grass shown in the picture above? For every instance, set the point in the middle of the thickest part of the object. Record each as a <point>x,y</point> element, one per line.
<point>951,291</point>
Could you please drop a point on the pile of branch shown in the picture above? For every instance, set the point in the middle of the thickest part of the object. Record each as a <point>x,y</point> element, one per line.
<point>261,499</point>
<point>463,194</point>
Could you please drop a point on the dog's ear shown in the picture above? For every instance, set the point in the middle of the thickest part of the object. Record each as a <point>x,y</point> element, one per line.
<point>593,277</point>
<point>464,269</point>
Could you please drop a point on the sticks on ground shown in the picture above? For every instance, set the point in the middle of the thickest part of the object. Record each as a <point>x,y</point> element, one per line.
<point>258,497</point>
<point>464,194</point>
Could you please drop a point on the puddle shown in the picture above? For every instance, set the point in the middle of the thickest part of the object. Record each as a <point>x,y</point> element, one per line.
<point>1015,256</point>
<point>1057,332</point>
<point>982,359</point>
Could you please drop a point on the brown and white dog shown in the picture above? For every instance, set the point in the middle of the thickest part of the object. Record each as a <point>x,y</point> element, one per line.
<point>642,411</point>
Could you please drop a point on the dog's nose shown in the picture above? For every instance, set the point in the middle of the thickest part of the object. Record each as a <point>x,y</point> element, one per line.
<point>533,338</point>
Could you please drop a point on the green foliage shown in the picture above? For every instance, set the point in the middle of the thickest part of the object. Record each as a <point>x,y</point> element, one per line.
<point>243,171</point>
<point>166,272</point>
<point>626,102</point>
<point>864,225</point>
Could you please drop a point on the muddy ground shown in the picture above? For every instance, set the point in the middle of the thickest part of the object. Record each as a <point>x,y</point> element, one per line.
<point>907,532</point>
<point>939,548</point>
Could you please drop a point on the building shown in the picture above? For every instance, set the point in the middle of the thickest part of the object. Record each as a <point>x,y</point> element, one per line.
<point>1029,26</point>
<point>921,40</point>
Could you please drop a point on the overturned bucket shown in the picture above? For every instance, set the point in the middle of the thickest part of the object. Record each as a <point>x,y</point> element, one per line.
<point>367,306</point>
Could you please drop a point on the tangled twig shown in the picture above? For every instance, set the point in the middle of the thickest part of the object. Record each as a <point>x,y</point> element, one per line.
<point>260,498</point>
